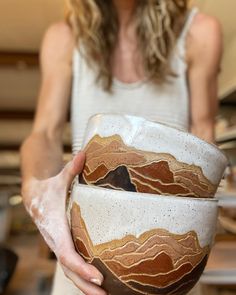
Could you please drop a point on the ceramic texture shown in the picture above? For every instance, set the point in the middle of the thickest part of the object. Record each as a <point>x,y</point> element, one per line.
<point>143,243</point>
<point>132,154</point>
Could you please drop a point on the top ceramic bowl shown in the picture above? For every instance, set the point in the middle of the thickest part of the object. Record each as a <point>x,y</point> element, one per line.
<point>133,154</point>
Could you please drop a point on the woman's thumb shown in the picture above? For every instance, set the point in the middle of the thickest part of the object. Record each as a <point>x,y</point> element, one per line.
<point>73,168</point>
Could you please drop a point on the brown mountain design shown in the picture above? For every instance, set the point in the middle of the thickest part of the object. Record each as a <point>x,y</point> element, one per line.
<point>157,262</point>
<point>111,164</point>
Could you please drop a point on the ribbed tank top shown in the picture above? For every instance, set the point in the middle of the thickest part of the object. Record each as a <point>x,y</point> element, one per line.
<point>167,103</point>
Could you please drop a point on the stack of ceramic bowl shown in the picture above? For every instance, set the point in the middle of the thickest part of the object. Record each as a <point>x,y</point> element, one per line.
<point>144,211</point>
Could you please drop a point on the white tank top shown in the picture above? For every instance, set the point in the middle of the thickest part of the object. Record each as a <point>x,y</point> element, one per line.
<point>167,103</point>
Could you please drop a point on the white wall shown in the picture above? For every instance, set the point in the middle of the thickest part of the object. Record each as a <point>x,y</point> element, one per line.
<point>23,22</point>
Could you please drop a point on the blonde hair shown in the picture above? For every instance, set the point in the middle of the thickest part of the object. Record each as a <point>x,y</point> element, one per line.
<point>158,25</point>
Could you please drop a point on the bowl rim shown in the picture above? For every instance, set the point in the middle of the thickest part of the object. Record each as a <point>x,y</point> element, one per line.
<point>77,185</point>
<point>211,145</point>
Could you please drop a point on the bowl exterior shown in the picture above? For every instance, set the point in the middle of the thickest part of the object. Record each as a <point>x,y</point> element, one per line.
<point>143,243</point>
<point>132,154</point>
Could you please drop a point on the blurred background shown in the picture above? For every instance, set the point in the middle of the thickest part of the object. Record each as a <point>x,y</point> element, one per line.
<point>22,26</point>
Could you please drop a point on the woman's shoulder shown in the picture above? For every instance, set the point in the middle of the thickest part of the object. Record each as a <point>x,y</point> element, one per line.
<point>58,41</point>
<point>204,25</point>
<point>205,36</point>
<point>60,29</point>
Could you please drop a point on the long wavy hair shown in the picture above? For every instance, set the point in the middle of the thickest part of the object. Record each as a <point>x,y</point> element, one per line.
<point>158,24</point>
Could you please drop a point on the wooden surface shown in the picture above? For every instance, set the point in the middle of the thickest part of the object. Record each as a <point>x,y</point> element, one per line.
<point>221,266</point>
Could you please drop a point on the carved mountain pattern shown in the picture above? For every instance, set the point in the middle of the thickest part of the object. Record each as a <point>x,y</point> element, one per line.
<point>111,164</point>
<point>157,262</point>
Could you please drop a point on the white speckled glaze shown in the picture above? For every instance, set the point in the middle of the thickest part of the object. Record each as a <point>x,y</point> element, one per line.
<point>111,214</point>
<point>159,138</point>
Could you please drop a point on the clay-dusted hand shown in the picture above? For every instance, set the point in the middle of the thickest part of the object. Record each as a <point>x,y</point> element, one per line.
<point>45,200</point>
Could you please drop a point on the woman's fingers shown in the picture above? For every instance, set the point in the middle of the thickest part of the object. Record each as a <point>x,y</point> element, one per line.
<point>69,258</point>
<point>73,168</point>
<point>75,263</point>
<point>85,276</point>
<point>86,287</point>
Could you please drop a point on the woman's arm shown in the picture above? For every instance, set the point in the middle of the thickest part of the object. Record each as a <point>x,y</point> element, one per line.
<point>45,184</point>
<point>41,152</point>
<point>204,52</point>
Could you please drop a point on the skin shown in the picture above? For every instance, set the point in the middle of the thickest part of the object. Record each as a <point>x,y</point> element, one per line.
<point>45,181</point>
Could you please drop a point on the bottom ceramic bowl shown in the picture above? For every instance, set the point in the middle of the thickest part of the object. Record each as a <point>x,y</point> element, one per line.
<point>143,243</point>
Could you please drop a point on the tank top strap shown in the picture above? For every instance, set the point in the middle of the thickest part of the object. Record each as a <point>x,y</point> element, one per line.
<point>188,22</point>
<point>181,43</point>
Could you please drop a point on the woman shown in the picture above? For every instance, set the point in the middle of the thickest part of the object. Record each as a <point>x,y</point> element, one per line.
<point>153,58</point>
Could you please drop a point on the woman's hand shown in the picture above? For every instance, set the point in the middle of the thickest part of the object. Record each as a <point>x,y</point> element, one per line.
<point>45,200</point>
